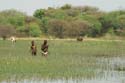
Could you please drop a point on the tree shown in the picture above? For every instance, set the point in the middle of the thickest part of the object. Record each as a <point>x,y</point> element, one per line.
<point>95,25</point>
<point>34,30</point>
<point>121,21</point>
<point>44,25</point>
<point>66,6</point>
<point>39,13</point>
<point>57,28</point>
<point>77,28</point>
<point>112,19</point>
<point>6,31</point>
<point>13,17</point>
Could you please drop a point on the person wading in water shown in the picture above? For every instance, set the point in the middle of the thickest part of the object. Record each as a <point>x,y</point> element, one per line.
<point>33,48</point>
<point>44,48</point>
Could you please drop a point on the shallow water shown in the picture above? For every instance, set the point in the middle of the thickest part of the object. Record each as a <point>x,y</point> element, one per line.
<point>106,73</point>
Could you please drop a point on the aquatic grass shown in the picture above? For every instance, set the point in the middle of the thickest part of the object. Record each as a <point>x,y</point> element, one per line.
<point>66,59</point>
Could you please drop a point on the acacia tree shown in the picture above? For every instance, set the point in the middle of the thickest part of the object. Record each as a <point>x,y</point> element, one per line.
<point>6,31</point>
<point>77,28</point>
<point>57,28</point>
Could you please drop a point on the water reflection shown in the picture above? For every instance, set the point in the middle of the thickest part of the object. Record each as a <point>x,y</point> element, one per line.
<point>106,73</point>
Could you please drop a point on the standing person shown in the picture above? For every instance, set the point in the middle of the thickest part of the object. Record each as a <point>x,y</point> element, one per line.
<point>44,48</point>
<point>33,48</point>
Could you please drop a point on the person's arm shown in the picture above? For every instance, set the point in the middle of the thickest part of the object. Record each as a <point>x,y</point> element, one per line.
<point>36,48</point>
<point>43,47</point>
<point>46,49</point>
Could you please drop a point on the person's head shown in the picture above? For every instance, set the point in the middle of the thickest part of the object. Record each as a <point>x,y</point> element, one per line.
<point>32,42</point>
<point>45,41</point>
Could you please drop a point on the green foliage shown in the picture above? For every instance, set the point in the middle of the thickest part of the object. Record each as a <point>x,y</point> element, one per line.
<point>113,19</point>
<point>44,25</point>
<point>34,30</point>
<point>66,6</point>
<point>73,21</point>
<point>22,24</point>
<point>93,23</point>
<point>12,17</point>
<point>121,21</point>
<point>39,13</point>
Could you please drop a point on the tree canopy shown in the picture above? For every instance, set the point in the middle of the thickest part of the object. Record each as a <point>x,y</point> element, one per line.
<point>62,22</point>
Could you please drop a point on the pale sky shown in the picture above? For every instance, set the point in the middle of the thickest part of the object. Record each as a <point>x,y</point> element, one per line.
<point>29,6</point>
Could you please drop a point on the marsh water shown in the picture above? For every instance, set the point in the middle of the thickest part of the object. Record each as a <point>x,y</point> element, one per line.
<point>111,70</point>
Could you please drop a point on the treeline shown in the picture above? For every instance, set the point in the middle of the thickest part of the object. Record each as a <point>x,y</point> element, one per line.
<point>63,22</point>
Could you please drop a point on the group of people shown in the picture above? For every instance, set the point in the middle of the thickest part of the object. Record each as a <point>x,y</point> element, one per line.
<point>44,48</point>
